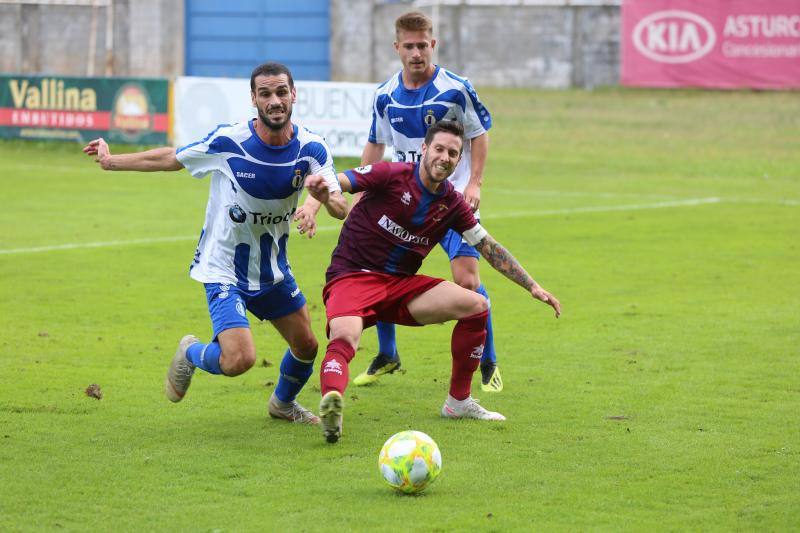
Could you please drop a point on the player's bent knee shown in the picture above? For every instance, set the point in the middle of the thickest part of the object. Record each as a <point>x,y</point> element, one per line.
<point>483,304</point>
<point>235,362</point>
<point>470,303</point>
<point>479,304</point>
<point>350,338</point>
<point>471,283</point>
<point>306,350</point>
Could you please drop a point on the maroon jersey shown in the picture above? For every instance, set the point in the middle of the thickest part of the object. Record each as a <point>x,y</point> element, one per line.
<point>398,221</point>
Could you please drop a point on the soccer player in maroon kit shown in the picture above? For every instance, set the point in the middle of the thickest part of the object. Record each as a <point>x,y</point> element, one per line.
<point>404,212</point>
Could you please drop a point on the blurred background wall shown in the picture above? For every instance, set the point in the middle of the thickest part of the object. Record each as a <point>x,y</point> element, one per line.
<point>557,43</point>
<point>507,43</point>
<point>92,37</point>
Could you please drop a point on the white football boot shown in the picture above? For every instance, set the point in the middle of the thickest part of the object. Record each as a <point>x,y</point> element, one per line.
<point>469,408</point>
<point>181,370</point>
<point>291,411</point>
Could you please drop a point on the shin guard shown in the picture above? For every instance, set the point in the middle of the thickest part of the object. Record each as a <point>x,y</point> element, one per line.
<point>469,337</point>
<point>334,371</point>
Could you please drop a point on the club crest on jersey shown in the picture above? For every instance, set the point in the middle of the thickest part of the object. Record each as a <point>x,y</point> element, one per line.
<point>430,118</point>
<point>363,170</point>
<point>439,213</point>
<point>297,180</point>
<point>406,198</point>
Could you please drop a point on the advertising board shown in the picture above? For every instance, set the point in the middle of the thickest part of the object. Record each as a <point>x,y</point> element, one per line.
<point>122,110</point>
<point>711,43</point>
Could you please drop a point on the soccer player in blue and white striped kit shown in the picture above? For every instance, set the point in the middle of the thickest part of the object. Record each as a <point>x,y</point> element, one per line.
<point>405,106</point>
<point>258,169</point>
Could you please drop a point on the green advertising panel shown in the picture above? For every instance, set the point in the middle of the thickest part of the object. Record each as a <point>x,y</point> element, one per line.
<point>122,110</point>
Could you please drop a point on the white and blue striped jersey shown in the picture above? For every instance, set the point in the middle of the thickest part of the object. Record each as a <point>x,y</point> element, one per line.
<point>400,116</point>
<point>253,195</point>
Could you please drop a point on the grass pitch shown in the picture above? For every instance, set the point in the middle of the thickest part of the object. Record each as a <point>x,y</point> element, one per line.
<point>666,397</point>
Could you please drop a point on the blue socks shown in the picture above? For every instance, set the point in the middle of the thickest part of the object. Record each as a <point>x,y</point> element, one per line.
<point>205,356</point>
<point>294,374</point>
<point>387,343</point>
<point>489,357</point>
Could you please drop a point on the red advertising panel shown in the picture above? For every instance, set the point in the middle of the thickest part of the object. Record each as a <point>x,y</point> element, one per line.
<point>711,43</point>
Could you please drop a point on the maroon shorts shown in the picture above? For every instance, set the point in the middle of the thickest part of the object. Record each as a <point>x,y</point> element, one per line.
<point>375,296</point>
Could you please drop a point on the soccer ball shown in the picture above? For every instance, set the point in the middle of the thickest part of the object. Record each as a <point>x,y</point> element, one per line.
<point>410,461</point>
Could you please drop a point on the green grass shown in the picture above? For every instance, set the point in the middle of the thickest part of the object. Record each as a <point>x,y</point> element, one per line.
<point>666,397</point>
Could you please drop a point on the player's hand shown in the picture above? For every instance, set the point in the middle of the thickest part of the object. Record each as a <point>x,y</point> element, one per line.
<point>99,149</point>
<point>472,195</point>
<point>318,188</point>
<point>544,296</point>
<point>307,221</point>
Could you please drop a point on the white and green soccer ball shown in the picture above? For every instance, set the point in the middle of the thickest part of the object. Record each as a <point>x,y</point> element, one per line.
<point>410,461</point>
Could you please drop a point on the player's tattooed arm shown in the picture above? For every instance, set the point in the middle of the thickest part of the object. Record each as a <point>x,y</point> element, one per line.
<point>505,263</point>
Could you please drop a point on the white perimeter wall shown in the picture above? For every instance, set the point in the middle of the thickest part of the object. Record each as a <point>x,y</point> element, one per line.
<point>340,112</point>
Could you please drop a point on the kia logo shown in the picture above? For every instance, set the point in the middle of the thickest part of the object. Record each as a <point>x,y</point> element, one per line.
<point>674,36</point>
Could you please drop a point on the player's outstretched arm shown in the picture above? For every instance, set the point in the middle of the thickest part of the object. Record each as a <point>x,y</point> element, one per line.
<point>148,161</point>
<point>505,263</point>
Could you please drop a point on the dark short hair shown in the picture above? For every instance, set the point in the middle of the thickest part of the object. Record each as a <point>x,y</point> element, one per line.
<point>453,127</point>
<point>270,69</point>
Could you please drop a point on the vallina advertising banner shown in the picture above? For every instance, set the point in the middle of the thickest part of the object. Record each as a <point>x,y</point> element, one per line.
<point>340,112</point>
<point>122,110</point>
<point>722,44</point>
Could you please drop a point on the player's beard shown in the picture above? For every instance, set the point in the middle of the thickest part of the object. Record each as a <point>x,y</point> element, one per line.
<point>271,124</point>
<point>429,170</point>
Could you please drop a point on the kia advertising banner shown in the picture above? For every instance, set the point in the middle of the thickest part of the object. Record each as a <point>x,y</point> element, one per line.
<point>711,43</point>
<point>122,110</point>
<point>340,112</point>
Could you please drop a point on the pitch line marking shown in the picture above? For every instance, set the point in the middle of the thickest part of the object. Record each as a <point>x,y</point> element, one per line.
<point>519,214</point>
<point>103,244</point>
<point>609,208</point>
<point>593,194</point>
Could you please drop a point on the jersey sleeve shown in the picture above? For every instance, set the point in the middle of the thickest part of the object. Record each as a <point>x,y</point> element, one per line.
<point>477,119</point>
<point>369,177</point>
<point>321,163</point>
<point>466,224</point>
<point>198,157</point>
<point>380,131</point>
